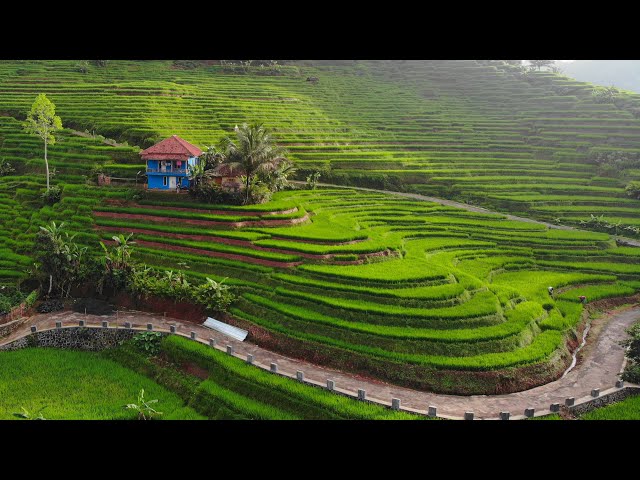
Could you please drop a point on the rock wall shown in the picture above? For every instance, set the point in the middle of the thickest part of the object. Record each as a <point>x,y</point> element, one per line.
<point>7,328</point>
<point>80,338</point>
<point>604,400</point>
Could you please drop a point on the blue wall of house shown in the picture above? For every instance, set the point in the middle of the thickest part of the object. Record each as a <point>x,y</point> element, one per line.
<point>155,181</point>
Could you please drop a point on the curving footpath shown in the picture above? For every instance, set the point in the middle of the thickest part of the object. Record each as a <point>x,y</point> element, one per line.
<point>466,206</point>
<point>599,366</point>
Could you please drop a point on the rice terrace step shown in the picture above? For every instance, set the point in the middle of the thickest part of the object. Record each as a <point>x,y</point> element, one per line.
<point>285,240</point>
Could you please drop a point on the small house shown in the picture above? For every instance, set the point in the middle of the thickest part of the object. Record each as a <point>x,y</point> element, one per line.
<point>227,177</point>
<point>169,163</point>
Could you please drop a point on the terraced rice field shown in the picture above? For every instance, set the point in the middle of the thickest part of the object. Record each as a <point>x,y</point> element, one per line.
<point>415,293</point>
<point>412,292</point>
<point>469,130</point>
<point>74,385</point>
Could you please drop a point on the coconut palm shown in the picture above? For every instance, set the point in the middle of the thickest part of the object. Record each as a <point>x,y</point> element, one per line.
<point>253,152</point>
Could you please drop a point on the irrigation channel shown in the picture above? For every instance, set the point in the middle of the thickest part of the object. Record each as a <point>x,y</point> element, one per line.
<point>574,360</point>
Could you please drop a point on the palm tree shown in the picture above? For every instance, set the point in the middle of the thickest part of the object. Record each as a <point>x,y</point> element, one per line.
<point>253,152</point>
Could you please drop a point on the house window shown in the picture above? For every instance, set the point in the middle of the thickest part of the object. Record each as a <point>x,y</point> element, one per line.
<point>164,181</point>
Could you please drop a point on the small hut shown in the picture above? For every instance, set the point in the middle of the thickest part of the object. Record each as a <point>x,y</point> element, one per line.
<point>227,177</point>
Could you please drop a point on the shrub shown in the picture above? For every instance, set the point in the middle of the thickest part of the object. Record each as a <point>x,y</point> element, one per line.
<point>604,94</point>
<point>259,193</point>
<point>312,180</point>
<point>148,342</point>
<point>632,372</point>
<point>9,298</point>
<point>633,189</point>
<point>214,295</point>
<point>82,67</point>
<point>6,168</point>
<point>52,195</point>
<point>48,306</point>
<point>31,299</point>
<point>214,194</point>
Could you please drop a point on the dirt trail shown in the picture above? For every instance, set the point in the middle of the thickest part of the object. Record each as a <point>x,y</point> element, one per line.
<point>470,208</point>
<point>88,135</point>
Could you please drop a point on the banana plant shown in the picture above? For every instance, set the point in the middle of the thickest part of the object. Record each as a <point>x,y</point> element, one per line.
<point>143,407</point>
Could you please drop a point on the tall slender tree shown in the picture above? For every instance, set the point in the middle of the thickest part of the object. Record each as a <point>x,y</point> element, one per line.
<point>43,122</point>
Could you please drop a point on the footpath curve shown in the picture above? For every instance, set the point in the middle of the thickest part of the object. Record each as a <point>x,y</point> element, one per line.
<point>466,206</point>
<point>599,366</point>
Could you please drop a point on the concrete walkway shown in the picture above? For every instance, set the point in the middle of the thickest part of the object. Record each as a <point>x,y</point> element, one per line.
<point>599,368</point>
<point>470,208</point>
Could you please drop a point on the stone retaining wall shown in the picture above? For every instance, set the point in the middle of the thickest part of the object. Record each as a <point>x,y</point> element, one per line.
<point>7,328</point>
<point>81,338</point>
<point>604,400</point>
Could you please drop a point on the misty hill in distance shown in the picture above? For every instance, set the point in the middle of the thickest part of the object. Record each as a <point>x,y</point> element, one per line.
<point>624,74</point>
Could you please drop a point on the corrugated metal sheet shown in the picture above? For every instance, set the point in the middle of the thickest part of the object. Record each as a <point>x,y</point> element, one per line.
<point>229,330</point>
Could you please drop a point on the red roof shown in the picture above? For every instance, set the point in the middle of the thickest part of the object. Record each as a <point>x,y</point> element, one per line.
<point>172,148</point>
<point>226,170</point>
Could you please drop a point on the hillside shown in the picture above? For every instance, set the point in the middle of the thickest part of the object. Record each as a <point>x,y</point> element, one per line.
<point>469,130</point>
<point>412,292</point>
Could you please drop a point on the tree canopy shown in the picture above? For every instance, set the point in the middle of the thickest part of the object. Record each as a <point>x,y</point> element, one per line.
<point>253,152</point>
<point>43,122</point>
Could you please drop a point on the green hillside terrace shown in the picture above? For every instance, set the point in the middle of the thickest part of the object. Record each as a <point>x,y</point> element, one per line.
<point>410,292</point>
<point>477,131</point>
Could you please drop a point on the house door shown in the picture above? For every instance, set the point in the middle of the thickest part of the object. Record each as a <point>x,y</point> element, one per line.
<point>172,182</point>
